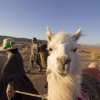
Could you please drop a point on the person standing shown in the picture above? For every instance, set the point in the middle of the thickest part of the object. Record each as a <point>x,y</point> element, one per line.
<point>13,73</point>
<point>35,55</point>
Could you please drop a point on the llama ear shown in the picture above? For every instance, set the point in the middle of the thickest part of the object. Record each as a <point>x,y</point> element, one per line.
<point>48,34</point>
<point>77,34</point>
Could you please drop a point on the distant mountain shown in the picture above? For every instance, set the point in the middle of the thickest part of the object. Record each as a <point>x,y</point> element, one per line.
<point>97,45</point>
<point>26,41</point>
<point>17,39</point>
<point>23,41</point>
<point>92,45</point>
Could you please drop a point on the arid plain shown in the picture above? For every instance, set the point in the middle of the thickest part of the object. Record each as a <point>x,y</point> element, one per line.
<point>87,55</point>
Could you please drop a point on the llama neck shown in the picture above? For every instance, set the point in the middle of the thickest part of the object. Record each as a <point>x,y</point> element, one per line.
<point>73,86</point>
<point>63,87</point>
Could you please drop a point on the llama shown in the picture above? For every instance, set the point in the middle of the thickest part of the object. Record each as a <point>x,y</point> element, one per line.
<point>63,66</point>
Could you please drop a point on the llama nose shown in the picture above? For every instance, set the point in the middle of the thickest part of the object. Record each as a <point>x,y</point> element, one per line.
<point>67,60</point>
<point>63,59</point>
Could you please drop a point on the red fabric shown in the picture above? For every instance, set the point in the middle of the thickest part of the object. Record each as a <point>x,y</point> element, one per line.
<point>93,71</point>
<point>79,98</point>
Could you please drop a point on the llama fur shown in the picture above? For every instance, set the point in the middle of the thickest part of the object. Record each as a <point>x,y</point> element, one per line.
<point>63,84</point>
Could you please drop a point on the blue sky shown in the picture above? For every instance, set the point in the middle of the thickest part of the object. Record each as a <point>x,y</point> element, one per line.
<point>29,18</point>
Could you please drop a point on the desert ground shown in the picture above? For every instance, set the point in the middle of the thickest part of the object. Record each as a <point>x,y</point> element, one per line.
<point>87,55</point>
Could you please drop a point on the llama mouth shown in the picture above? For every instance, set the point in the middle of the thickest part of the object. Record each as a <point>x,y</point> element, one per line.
<point>67,68</point>
<point>67,65</point>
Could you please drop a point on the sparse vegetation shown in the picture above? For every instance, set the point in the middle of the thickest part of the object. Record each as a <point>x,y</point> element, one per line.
<point>95,55</point>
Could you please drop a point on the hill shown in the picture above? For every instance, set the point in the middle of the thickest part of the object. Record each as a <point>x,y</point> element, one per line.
<point>21,41</point>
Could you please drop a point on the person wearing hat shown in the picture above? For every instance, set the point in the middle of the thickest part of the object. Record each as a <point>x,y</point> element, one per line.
<point>35,55</point>
<point>13,74</point>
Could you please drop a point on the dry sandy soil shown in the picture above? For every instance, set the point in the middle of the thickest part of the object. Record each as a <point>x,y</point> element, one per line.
<point>39,78</point>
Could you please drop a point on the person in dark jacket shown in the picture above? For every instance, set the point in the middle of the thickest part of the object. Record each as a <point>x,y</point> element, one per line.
<point>13,73</point>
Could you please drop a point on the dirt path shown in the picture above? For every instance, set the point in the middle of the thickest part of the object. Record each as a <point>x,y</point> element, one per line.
<point>39,80</point>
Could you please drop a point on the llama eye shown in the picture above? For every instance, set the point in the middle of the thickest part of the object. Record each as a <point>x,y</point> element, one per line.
<point>75,49</point>
<point>50,49</point>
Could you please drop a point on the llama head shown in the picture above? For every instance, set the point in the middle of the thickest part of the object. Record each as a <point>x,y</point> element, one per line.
<point>62,47</point>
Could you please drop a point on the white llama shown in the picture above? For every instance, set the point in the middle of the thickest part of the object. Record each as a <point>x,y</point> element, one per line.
<point>63,66</point>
